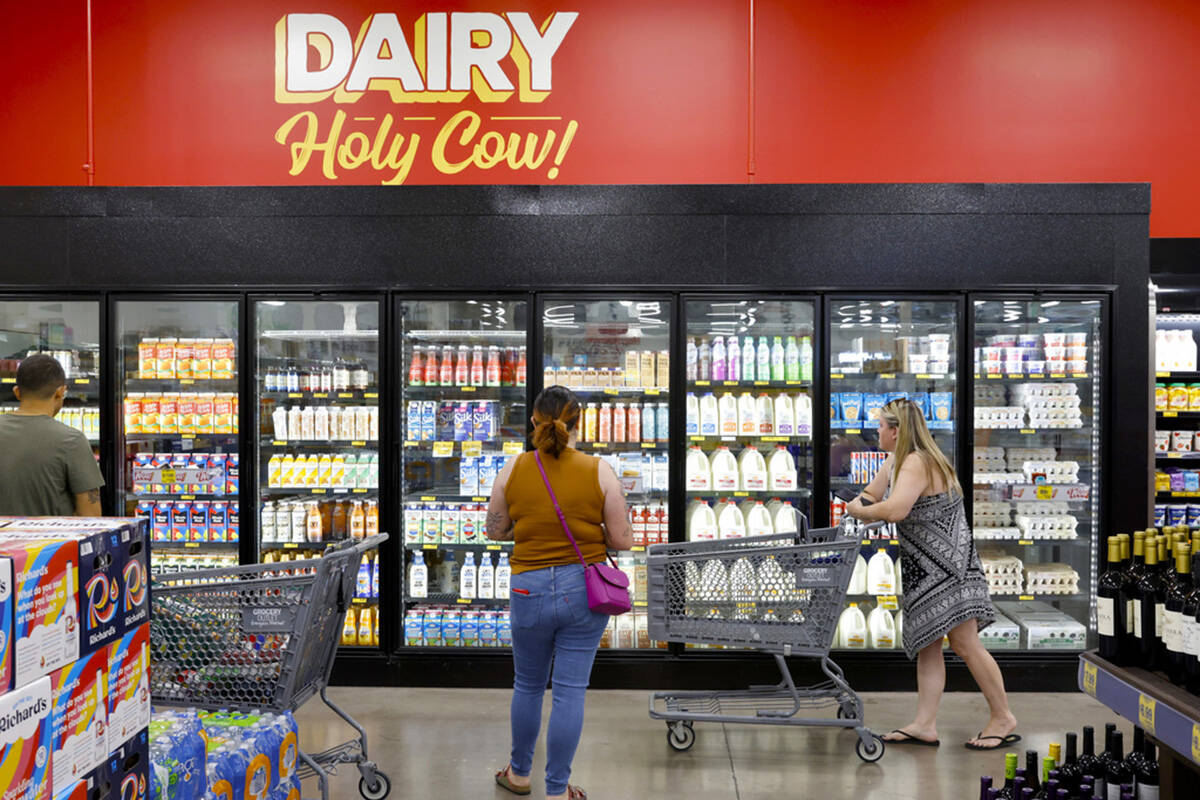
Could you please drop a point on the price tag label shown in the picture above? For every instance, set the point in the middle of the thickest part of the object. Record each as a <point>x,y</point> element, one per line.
<point>610,390</point>
<point>513,448</point>
<point>356,491</point>
<point>638,548</point>
<point>186,382</point>
<point>756,383</point>
<point>639,603</point>
<point>853,431</point>
<point>654,391</point>
<point>698,383</point>
<point>428,498</point>
<point>371,395</point>
<point>1174,455</point>
<point>600,445</point>
<point>1016,376</point>
<point>923,376</point>
<point>866,542</point>
<point>696,438</point>
<point>741,494</point>
<point>1162,374</point>
<point>290,546</point>
<point>1089,678</point>
<point>1036,376</point>
<point>1025,541</point>
<point>168,475</point>
<point>8,380</point>
<point>889,602</point>
<point>894,542</point>
<point>794,383</point>
<point>493,547</point>
<point>472,448</point>
<point>294,395</point>
<point>187,497</point>
<point>1025,597</point>
<point>1044,492</point>
<point>188,436</point>
<point>346,395</point>
<point>410,444</point>
<point>1079,375</point>
<point>887,374</point>
<point>83,381</point>
<point>192,545</point>
<point>993,377</point>
<point>443,449</point>
<point>1170,413</point>
<point>320,395</point>
<point>1058,374</point>
<point>837,376</point>
<point>464,601</point>
<point>774,438</point>
<point>1146,709</point>
<point>429,547</point>
<point>649,445</point>
<point>278,443</point>
<point>1028,431</point>
<point>318,491</point>
<point>359,601</point>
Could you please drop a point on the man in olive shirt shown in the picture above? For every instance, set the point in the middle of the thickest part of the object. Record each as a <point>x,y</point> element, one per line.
<point>46,467</point>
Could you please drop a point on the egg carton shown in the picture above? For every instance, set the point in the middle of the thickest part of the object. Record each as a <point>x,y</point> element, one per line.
<point>1005,584</point>
<point>1035,508</point>
<point>989,533</point>
<point>990,396</point>
<point>993,508</point>
<point>1016,456</point>
<point>1052,578</point>
<point>1054,418</point>
<point>999,478</point>
<point>1051,403</point>
<point>996,562</point>
<point>984,521</point>
<point>1045,526</point>
<point>1055,471</point>
<point>1040,389</point>
<point>999,416</point>
<point>989,452</point>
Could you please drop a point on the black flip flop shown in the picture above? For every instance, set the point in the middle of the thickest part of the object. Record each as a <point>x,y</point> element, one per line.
<point>1001,741</point>
<point>910,739</point>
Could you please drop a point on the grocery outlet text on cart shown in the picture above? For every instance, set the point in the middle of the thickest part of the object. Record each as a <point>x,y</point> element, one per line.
<point>454,56</point>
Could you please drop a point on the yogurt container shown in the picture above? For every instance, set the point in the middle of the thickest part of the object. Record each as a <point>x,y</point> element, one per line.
<point>1160,515</point>
<point>1181,441</point>
<point>1055,339</point>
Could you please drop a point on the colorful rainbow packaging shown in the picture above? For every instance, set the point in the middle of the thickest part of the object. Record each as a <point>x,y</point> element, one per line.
<point>129,685</point>
<point>79,718</point>
<point>38,609</point>
<point>25,742</point>
<point>129,768</point>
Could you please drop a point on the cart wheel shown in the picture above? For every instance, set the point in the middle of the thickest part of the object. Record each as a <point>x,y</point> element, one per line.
<point>681,736</point>
<point>847,712</point>
<point>872,752</point>
<point>377,790</point>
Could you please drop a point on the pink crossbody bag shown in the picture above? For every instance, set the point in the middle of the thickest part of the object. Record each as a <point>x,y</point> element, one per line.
<point>607,586</point>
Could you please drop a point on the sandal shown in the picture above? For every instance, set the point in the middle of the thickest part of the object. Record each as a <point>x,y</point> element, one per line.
<point>502,780</point>
<point>910,739</point>
<point>575,793</point>
<point>1001,741</point>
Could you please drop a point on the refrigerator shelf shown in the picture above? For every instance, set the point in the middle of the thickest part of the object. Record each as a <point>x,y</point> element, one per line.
<point>857,426</point>
<point>178,437</point>
<point>477,392</point>
<point>417,497</point>
<point>1030,542</point>
<point>305,336</point>
<point>505,547</point>
<point>1182,413</point>
<point>180,384</point>
<point>180,496</point>
<point>752,384</point>
<point>354,394</point>
<point>193,546</point>
<point>748,493</point>
<point>751,437</point>
<point>1176,494</point>
<point>323,491</point>
<point>1178,376</point>
<point>623,446</point>
<point>270,545</point>
<point>1176,456</point>
<point>1035,376</point>
<point>948,377</point>
<point>449,598</point>
<point>269,443</point>
<point>429,335</point>
<point>588,391</point>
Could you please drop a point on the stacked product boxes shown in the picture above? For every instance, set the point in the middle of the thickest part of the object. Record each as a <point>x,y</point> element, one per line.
<point>74,636</point>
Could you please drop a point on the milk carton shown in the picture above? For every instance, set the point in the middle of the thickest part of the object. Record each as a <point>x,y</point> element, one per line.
<point>660,472</point>
<point>747,415</point>
<point>38,608</point>
<point>753,470</point>
<point>724,469</point>
<point>129,684</point>
<point>697,472</point>
<point>79,718</point>
<point>489,466</point>
<point>25,742</point>
<point>781,470</point>
<point>468,476</point>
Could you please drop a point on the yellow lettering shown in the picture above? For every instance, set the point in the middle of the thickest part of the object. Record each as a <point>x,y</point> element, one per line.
<point>303,150</point>
<point>348,158</point>
<point>440,161</point>
<point>490,150</point>
<point>528,159</point>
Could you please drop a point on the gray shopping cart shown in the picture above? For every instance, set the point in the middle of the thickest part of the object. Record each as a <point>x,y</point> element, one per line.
<point>262,636</point>
<point>780,594</point>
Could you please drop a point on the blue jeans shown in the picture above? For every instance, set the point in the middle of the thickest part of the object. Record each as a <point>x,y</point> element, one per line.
<point>552,624</point>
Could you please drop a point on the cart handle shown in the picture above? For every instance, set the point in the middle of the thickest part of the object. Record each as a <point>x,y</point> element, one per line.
<point>369,543</point>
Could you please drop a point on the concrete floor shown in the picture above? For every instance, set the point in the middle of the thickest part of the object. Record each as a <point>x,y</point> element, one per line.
<point>447,743</point>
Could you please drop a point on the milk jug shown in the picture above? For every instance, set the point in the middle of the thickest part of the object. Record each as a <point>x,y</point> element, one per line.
<point>881,629</point>
<point>487,577</point>
<point>881,574</point>
<point>418,576</point>
<point>503,577</point>
<point>743,582</point>
<point>858,580</point>
<point>753,469</point>
<point>731,524</point>
<point>802,409</point>
<point>724,470</point>
<point>696,471</point>
<point>785,418</point>
<point>781,471</point>
<point>466,578</point>
<point>758,519</point>
<point>899,630</point>
<point>727,408</point>
<point>710,424</point>
<point>899,578</point>
<point>747,415</point>
<point>783,516</point>
<point>693,415</point>
<point>701,522</point>
<point>852,629</point>
<point>766,415</point>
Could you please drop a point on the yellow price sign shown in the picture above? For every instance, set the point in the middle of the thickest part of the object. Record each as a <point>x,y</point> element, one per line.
<point>192,545</point>
<point>1146,708</point>
<point>513,448</point>
<point>1089,678</point>
<point>294,395</point>
<point>1196,742</point>
<point>290,546</point>
<point>1028,431</point>
<point>653,391</point>
<point>600,445</point>
<point>83,381</point>
<point>187,497</point>
<point>703,383</point>
<point>1025,541</point>
<point>1170,413</point>
<point>320,395</point>
<point>8,380</point>
<point>1036,376</point>
<point>649,445</point>
<point>1058,374</point>
<point>371,395</point>
<point>1045,492</point>
<point>887,374</point>
<point>1162,374</point>
<point>493,547</point>
<point>756,383</point>
<point>923,376</point>
<point>639,603</point>
<point>346,395</point>
<point>443,449</point>
<point>464,601</point>
<point>318,491</point>
<point>358,444</point>
<point>741,494</point>
<point>837,376</point>
<point>1025,597</point>
<point>473,448</point>
<point>889,602</point>
<point>278,443</point>
<point>168,476</point>
<point>1174,455</point>
<point>853,431</point>
<point>610,390</point>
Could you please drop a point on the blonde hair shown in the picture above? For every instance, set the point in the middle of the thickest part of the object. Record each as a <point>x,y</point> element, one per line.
<point>913,437</point>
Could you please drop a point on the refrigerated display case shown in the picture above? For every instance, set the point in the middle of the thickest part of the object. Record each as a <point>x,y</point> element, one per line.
<point>615,354</point>
<point>1036,463</point>
<point>749,414</point>
<point>464,395</point>
<point>880,350</point>
<point>318,366</point>
<point>177,372</point>
<point>1177,416</point>
<point>68,330</point>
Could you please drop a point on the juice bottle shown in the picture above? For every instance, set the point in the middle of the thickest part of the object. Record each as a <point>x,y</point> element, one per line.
<point>416,368</point>
<point>491,373</point>
<point>446,373</point>
<point>358,521</point>
<point>365,625</point>
<point>372,517</point>
<point>462,366</point>
<point>604,425</point>
<point>762,367</point>
<point>521,367</point>
<point>704,361</point>
<point>478,368</point>
<point>692,362</point>
<point>748,359</point>
<point>590,421</point>
<point>350,628</point>
<point>719,363</point>
<point>618,422</point>
<point>339,519</point>
<point>430,377</point>
<point>778,360</point>
<point>791,360</point>
<point>633,419</point>
<point>806,359</point>
<point>312,523</point>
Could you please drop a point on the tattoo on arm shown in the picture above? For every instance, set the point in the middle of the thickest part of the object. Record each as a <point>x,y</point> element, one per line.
<point>495,524</point>
<point>93,495</point>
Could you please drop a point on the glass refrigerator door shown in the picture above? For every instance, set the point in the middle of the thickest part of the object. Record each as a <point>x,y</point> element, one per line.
<point>70,332</point>
<point>177,378</point>
<point>881,350</point>
<point>615,354</point>
<point>1037,466</point>
<point>317,370</point>
<point>463,370</point>
<point>749,369</point>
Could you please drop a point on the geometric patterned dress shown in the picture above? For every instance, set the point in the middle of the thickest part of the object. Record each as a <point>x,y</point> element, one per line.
<point>944,584</point>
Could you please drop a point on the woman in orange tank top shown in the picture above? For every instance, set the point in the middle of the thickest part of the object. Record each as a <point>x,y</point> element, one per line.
<point>551,621</point>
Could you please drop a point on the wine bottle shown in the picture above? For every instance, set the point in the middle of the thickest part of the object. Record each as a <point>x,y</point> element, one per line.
<point>1146,626</point>
<point>1117,773</point>
<point>1147,774</point>
<point>1103,760</point>
<point>1176,597</point>
<point>1068,770</point>
<point>1087,759</point>
<point>1190,628</point>
<point>1031,770</point>
<point>1110,610</point>
<point>1133,761</point>
<point>1010,775</point>
<point>985,783</point>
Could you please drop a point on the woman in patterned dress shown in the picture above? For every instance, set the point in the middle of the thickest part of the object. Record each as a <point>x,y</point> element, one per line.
<point>945,592</point>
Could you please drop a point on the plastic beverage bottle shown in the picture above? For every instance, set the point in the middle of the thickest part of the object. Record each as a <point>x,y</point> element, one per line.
<point>503,577</point>
<point>446,371</point>
<point>753,469</point>
<point>748,360</point>
<point>719,363</point>
<point>733,355</point>
<point>762,366</point>
<point>491,374</point>
<point>366,625</point>
<point>693,360</point>
<point>693,415</point>
<point>416,367</point>
<point>791,360</point>
<point>462,366</point>
<point>466,578</point>
<point>783,516</point>
<point>478,368</point>
<point>852,628</point>
<point>731,524</point>
<point>522,368</point>
<point>704,361</point>
<point>312,524</point>
<point>724,469</point>
<point>697,472</point>
<point>350,627</point>
<point>358,521</point>
<point>785,418</point>
<point>747,415</point>
<point>710,417</point>
<point>802,408</point>
<point>881,574</point>
<point>806,359</point>
<point>418,576</point>
<point>858,578</point>
<point>487,577</point>
<point>881,629</point>
<point>778,360</point>
<point>701,522</point>
<point>758,519</point>
<point>766,415</point>
<point>728,408</point>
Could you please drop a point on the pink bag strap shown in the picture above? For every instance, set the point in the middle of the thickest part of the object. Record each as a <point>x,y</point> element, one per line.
<point>557,509</point>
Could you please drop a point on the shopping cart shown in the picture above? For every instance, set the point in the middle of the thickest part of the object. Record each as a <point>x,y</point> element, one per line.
<point>262,636</point>
<point>780,594</point>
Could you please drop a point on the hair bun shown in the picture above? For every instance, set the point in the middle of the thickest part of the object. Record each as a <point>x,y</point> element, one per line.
<point>551,436</point>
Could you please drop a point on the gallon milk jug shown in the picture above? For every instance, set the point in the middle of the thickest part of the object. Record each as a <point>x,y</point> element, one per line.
<point>899,578</point>
<point>730,522</point>
<point>899,630</point>
<point>881,629</point>
<point>781,470</point>
<point>709,415</point>
<point>724,468</point>
<point>701,522</point>
<point>743,582</point>
<point>852,629</point>
<point>785,417</point>
<point>802,408</point>
<point>858,579</point>
<point>758,519</point>
<point>881,574</point>
<point>747,415</point>
<point>697,473</point>
<point>783,516</point>
<point>728,413</point>
<point>766,415</point>
<point>753,469</point>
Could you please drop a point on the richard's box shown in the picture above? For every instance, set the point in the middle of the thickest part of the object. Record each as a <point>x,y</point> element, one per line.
<point>25,742</point>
